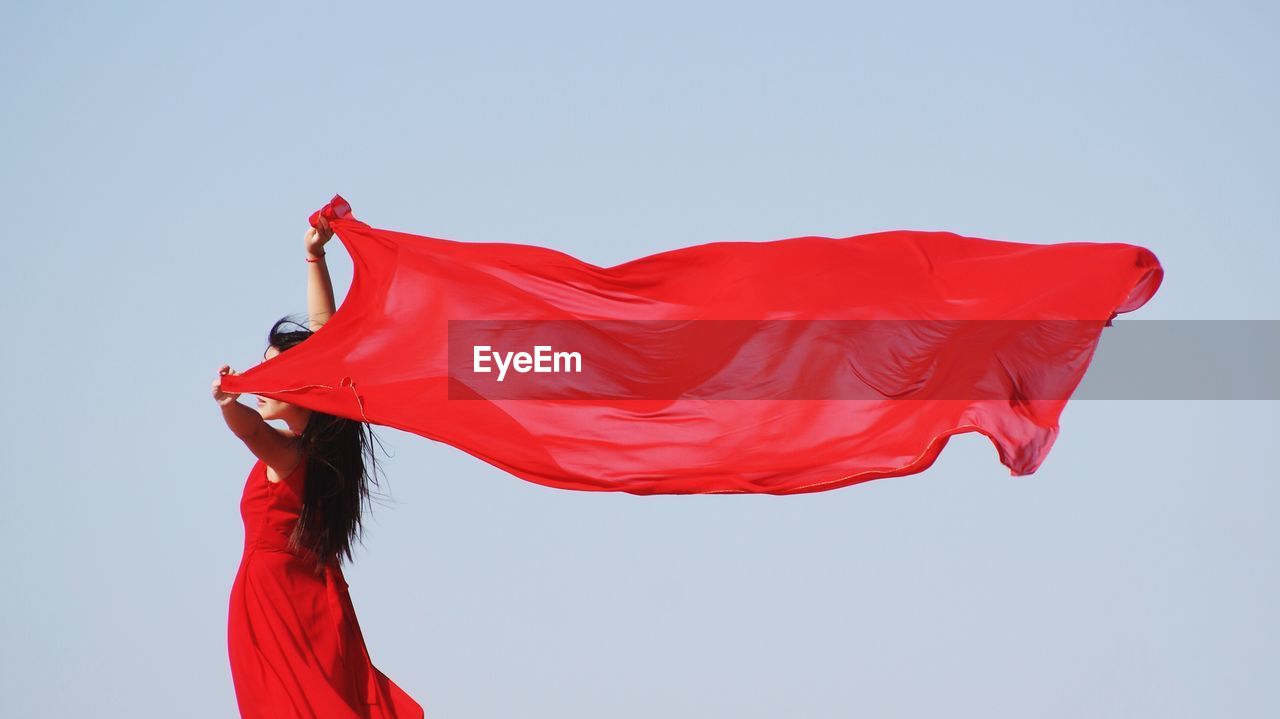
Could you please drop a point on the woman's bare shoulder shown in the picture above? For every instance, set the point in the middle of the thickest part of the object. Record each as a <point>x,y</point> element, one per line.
<point>283,463</point>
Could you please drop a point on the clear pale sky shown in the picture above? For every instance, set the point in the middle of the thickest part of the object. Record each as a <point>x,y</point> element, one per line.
<point>160,161</point>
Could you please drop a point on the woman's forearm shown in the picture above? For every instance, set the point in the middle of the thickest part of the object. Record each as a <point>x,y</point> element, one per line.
<point>243,420</point>
<point>320,305</point>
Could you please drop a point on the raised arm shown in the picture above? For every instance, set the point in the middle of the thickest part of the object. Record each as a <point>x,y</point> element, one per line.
<point>266,442</point>
<point>320,304</point>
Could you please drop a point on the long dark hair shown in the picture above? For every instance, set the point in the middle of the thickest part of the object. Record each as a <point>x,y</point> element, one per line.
<point>340,473</point>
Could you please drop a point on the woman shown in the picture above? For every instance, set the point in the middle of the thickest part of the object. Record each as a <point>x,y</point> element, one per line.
<point>294,643</point>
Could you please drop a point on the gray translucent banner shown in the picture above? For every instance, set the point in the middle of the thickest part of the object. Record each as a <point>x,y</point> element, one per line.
<point>1185,359</point>
<point>895,359</point>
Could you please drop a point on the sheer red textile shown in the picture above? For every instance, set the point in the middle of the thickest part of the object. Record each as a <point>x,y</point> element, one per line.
<point>675,399</point>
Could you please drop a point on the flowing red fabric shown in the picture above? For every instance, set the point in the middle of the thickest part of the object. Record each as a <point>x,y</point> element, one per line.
<point>796,365</point>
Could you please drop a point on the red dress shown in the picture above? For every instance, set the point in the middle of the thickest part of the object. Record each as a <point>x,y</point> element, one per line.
<point>295,647</point>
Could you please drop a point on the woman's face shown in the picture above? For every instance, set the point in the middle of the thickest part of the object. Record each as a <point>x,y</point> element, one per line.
<point>274,408</point>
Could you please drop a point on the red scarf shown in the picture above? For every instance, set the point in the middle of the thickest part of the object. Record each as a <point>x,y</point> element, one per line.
<point>796,365</point>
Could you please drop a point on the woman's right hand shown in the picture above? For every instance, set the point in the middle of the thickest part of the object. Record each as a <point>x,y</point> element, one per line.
<point>223,398</point>
<point>316,237</point>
